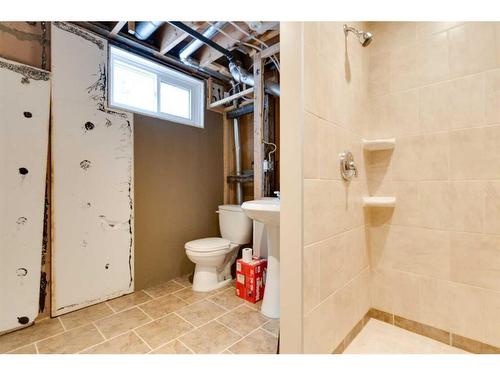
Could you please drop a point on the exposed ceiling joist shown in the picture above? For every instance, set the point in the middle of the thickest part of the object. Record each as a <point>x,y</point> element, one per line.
<point>117,28</point>
<point>207,55</point>
<point>131,27</point>
<point>170,36</point>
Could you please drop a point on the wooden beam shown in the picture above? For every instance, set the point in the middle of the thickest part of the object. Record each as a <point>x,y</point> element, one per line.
<point>170,36</point>
<point>206,55</point>
<point>118,26</point>
<point>273,50</point>
<point>231,98</point>
<point>131,27</point>
<point>258,120</point>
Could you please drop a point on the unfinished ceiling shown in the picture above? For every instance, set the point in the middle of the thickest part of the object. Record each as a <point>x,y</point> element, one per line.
<point>168,41</point>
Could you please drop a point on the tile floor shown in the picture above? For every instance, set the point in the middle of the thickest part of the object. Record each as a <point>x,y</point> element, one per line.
<point>381,338</point>
<point>166,319</point>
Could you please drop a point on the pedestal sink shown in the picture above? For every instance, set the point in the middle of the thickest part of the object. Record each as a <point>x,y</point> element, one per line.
<point>267,211</point>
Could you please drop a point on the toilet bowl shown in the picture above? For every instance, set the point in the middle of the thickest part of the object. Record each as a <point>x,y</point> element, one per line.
<point>214,256</point>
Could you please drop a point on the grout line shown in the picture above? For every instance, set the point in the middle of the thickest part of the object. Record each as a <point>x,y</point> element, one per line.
<point>142,339</point>
<point>110,307</point>
<point>98,330</point>
<point>242,338</point>
<point>146,293</point>
<point>64,327</point>
<point>145,313</point>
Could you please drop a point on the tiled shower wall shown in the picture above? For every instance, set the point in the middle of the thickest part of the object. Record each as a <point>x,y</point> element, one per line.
<point>335,258</point>
<point>436,257</point>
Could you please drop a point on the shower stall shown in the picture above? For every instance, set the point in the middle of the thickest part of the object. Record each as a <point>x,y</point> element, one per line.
<point>411,246</point>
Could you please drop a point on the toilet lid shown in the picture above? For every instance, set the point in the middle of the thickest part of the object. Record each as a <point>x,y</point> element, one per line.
<point>208,244</point>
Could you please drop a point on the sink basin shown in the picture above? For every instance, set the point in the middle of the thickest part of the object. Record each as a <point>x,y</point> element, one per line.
<point>267,211</point>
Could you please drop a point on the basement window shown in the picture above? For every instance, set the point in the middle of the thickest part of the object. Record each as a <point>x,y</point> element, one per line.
<point>143,86</point>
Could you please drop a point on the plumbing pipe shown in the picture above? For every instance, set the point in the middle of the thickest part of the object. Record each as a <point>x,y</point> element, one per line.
<point>195,44</point>
<point>237,151</point>
<point>145,50</point>
<point>242,76</point>
<point>144,29</point>
<point>240,111</point>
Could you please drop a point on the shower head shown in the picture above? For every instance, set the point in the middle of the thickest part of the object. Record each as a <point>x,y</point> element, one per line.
<point>364,37</point>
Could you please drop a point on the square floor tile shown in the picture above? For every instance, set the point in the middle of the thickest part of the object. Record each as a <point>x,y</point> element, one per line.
<point>128,301</point>
<point>122,322</point>
<point>163,306</point>
<point>211,338</point>
<point>128,343</point>
<point>38,331</point>
<point>71,341</point>
<point>243,320</point>
<point>227,299</point>
<point>201,312</point>
<point>173,347</point>
<point>164,288</point>
<point>86,315</point>
<point>163,330</point>
<point>272,326</point>
<point>258,342</point>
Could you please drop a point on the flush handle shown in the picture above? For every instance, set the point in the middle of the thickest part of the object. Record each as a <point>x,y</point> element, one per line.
<point>348,169</point>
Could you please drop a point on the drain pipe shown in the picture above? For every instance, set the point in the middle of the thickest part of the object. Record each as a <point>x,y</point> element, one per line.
<point>242,76</point>
<point>237,151</point>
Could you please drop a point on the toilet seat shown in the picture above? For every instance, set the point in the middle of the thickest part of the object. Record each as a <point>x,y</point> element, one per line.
<point>208,245</point>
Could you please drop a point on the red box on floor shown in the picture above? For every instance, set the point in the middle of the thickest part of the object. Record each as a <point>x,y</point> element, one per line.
<point>250,279</point>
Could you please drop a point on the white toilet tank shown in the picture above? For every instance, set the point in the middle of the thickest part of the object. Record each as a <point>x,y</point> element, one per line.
<point>234,224</point>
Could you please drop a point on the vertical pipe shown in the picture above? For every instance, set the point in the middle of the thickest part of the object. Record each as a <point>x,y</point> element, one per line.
<point>237,152</point>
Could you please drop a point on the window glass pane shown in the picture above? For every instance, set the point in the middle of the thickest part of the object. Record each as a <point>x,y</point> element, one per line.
<point>175,100</point>
<point>134,87</point>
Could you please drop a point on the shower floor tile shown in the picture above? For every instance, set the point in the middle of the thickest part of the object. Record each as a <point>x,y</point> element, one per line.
<point>166,319</point>
<point>381,338</point>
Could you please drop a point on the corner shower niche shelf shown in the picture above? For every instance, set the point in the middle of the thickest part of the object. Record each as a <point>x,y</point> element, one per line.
<point>379,201</point>
<point>379,144</point>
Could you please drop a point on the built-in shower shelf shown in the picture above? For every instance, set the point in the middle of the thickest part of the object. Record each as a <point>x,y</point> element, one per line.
<point>379,144</point>
<point>379,201</point>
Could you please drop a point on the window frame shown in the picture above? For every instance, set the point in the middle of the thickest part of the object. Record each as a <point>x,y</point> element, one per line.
<point>196,87</point>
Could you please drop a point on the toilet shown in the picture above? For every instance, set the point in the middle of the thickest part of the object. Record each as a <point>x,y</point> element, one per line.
<point>214,256</point>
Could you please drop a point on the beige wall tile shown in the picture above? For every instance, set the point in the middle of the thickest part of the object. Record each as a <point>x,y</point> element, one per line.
<point>381,124</point>
<point>379,74</point>
<point>163,330</point>
<point>435,302</point>
<point>475,259</point>
<point>319,328</point>
<point>467,209</point>
<point>417,250</point>
<point>434,160</point>
<point>403,71</point>
<point>404,113</point>
<point>492,207</point>
<point>312,133</point>
<point>435,107</point>
<point>492,99</point>
<point>406,159</point>
<point>122,322</point>
<point>468,53</point>
<point>311,288</point>
<point>128,343</point>
<point>435,204</point>
<point>432,58</point>
<point>71,342</point>
<point>468,102</point>
<point>427,29</point>
<point>407,210</point>
<point>406,297</point>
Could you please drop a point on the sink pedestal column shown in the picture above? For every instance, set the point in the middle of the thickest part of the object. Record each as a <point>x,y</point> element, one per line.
<point>271,303</point>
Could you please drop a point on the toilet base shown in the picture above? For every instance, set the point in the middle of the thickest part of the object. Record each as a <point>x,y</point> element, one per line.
<point>206,278</point>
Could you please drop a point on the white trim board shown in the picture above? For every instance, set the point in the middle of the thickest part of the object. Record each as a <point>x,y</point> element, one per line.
<point>24,136</point>
<point>92,178</point>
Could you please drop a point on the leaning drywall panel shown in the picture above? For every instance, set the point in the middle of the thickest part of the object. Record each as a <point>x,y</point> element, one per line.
<point>24,136</point>
<point>92,195</point>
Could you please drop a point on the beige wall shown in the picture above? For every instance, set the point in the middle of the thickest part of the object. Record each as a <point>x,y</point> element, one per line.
<point>335,260</point>
<point>178,186</point>
<point>436,258</point>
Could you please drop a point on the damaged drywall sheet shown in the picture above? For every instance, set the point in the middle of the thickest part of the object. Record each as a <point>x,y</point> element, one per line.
<point>92,163</point>
<point>24,137</point>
